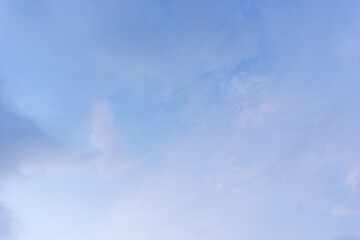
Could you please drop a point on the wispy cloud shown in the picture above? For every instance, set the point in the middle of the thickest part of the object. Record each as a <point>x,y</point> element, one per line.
<point>105,137</point>
<point>244,111</point>
<point>353,179</point>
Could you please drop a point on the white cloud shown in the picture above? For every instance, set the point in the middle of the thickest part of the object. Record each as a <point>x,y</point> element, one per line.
<point>106,156</point>
<point>343,210</point>
<point>353,179</point>
<point>104,136</point>
<point>253,103</point>
<point>110,160</point>
<point>339,211</point>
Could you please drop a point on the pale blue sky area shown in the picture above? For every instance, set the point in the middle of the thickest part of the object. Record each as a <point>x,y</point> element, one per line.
<point>181,120</point>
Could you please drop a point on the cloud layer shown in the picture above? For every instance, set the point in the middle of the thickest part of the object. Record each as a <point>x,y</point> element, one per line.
<point>216,120</point>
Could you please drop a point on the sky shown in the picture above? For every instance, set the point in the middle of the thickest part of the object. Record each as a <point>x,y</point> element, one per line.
<point>182,120</point>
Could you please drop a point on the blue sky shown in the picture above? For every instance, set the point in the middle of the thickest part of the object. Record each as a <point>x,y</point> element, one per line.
<point>134,120</point>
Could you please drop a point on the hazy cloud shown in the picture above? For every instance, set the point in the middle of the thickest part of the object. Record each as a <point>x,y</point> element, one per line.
<point>6,232</point>
<point>105,137</point>
<point>245,111</point>
<point>353,179</point>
